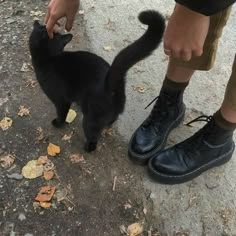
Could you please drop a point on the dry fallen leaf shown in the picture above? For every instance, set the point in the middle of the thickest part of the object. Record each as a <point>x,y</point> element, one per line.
<point>107,48</point>
<point>140,89</point>
<point>71,116</point>
<point>25,67</point>
<point>53,149</point>
<point>23,111</point>
<point>45,205</point>
<point>145,211</point>
<point>45,193</point>
<point>37,13</point>
<point>67,137</point>
<point>40,134</point>
<point>7,161</point>
<point>144,27</point>
<point>61,194</point>
<point>30,83</point>
<point>42,160</point>
<point>48,175</point>
<point>48,166</point>
<point>76,158</point>
<point>36,205</point>
<point>5,123</point>
<point>135,229</point>
<point>226,215</point>
<point>107,132</point>
<point>110,25</point>
<point>32,170</point>
<point>123,229</point>
<point>127,206</point>
<point>81,12</point>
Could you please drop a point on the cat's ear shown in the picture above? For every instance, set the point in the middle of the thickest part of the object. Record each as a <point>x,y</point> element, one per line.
<point>67,38</point>
<point>36,23</point>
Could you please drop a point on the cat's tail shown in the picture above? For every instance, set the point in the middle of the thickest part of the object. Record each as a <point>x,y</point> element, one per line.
<point>138,50</point>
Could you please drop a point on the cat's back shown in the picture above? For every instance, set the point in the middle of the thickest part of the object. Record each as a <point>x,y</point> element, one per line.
<point>84,60</point>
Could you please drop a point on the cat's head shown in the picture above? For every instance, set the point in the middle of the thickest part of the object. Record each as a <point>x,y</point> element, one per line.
<point>39,40</point>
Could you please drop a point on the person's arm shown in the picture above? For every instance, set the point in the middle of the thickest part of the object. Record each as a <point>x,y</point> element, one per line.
<point>58,9</point>
<point>206,7</point>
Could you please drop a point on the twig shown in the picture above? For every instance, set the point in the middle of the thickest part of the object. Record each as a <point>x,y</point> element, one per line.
<point>114,184</point>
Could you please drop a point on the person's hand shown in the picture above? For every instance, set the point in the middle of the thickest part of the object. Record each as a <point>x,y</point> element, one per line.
<point>185,33</point>
<point>58,9</point>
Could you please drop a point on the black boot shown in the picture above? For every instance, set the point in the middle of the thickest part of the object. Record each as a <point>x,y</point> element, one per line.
<point>211,146</point>
<point>151,136</point>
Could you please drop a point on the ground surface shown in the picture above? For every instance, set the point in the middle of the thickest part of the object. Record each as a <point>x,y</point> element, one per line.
<point>105,191</point>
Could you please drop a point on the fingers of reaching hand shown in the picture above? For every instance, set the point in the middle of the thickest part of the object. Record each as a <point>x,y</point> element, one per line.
<point>69,23</point>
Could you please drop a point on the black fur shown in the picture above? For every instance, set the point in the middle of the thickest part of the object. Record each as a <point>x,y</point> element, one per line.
<point>86,78</point>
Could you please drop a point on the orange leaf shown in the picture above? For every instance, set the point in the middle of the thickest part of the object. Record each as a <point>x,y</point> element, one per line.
<point>45,204</point>
<point>45,194</point>
<point>53,149</point>
<point>48,174</point>
<point>42,160</point>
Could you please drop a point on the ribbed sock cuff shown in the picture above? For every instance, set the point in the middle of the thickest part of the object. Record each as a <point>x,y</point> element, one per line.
<point>174,86</point>
<point>222,122</point>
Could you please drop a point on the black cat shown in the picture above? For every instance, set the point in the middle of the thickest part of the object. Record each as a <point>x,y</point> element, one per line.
<point>86,78</point>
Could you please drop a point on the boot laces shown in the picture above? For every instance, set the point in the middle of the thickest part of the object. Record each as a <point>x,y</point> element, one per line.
<point>159,109</point>
<point>200,118</point>
<point>203,133</point>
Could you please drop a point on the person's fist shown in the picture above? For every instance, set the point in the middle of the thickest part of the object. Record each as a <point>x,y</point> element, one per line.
<point>185,33</point>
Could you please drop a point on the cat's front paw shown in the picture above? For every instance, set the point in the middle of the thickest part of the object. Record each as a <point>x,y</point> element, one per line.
<point>90,146</point>
<point>57,124</point>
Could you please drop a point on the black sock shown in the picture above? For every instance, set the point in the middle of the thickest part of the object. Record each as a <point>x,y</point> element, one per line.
<point>172,86</point>
<point>222,122</point>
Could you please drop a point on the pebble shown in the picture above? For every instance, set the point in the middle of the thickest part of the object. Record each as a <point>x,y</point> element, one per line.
<point>21,217</point>
<point>15,176</point>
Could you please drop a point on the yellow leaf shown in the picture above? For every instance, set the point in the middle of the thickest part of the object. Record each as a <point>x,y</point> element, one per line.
<point>5,123</point>
<point>45,205</point>
<point>32,170</point>
<point>71,116</point>
<point>53,149</point>
<point>48,175</point>
<point>135,229</point>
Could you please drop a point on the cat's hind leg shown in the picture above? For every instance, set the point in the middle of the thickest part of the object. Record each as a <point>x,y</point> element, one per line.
<point>92,129</point>
<point>62,108</point>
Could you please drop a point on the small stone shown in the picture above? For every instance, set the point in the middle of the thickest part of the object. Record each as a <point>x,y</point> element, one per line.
<point>21,217</point>
<point>10,21</point>
<point>15,176</point>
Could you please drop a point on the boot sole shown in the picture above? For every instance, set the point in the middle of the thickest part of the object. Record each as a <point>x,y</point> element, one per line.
<point>168,179</point>
<point>143,159</point>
